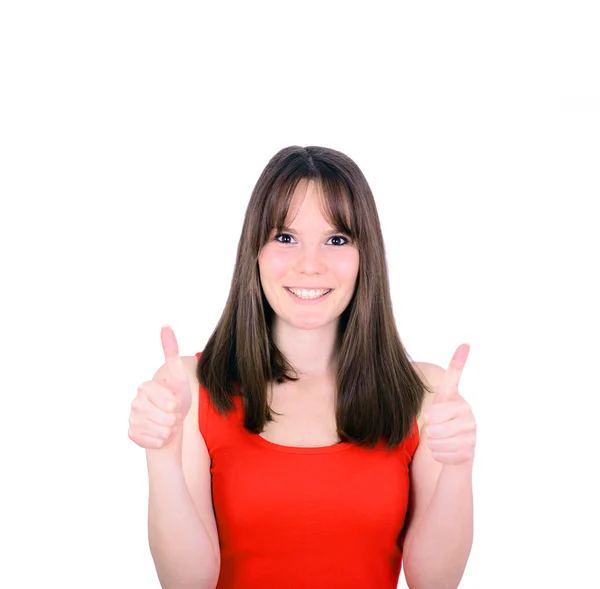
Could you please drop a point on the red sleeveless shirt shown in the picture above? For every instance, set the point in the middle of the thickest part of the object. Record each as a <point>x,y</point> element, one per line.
<point>305,518</point>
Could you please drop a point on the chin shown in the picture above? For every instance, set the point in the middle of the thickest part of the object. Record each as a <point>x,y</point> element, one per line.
<point>309,323</point>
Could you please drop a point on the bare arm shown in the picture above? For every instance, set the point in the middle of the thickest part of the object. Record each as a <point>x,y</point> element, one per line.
<point>182,530</point>
<point>440,521</point>
<point>438,543</point>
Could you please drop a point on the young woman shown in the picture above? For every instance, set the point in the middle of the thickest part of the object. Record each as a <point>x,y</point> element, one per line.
<point>302,448</point>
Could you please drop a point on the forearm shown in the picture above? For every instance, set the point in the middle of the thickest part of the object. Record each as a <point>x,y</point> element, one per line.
<point>183,553</point>
<point>438,551</point>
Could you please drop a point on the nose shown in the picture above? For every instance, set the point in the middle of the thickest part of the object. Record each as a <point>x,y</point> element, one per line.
<point>310,261</point>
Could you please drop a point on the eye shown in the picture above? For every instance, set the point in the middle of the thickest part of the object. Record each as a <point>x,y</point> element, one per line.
<point>283,238</point>
<point>337,239</point>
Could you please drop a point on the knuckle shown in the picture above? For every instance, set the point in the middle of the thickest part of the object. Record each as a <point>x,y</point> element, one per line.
<point>135,439</point>
<point>143,388</point>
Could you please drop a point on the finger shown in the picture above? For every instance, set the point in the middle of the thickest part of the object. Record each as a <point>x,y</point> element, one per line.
<point>453,444</point>
<point>147,442</point>
<point>442,411</point>
<point>448,387</point>
<point>450,457</point>
<point>147,411</point>
<point>156,394</point>
<point>173,360</point>
<point>141,425</point>
<point>450,429</point>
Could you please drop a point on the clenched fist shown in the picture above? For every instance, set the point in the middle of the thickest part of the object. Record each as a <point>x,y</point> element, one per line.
<point>450,424</point>
<point>161,405</point>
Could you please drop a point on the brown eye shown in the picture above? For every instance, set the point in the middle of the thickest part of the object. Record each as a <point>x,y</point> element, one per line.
<point>283,238</point>
<point>337,239</point>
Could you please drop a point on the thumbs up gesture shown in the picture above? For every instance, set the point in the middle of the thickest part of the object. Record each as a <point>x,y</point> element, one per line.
<point>161,404</point>
<point>449,422</point>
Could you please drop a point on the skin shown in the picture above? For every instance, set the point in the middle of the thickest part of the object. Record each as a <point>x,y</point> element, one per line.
<point>439,527</point>
<point>436,547</point>
<point>311,253</point>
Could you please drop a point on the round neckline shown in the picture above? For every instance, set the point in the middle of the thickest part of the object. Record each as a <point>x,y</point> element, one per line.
<point>259,440</point>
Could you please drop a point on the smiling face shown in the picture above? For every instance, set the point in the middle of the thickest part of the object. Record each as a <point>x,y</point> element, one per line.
<point>308,271</point>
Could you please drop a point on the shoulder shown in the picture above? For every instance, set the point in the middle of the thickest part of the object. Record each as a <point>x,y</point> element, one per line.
<point>431,375</point>
<point>190,363</point>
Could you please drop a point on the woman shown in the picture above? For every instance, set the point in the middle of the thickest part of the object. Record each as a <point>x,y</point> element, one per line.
<point>302,448</point>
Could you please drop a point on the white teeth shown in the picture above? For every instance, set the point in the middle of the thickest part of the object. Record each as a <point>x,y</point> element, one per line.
<point>309,294</point>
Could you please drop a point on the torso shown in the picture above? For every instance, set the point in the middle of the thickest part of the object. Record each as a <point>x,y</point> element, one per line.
<point>306,414</point>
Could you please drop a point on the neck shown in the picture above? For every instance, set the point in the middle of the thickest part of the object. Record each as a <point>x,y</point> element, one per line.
<point>312,352</point>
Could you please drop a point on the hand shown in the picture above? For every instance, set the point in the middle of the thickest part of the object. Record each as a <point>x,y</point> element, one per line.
<point>161,405</point>
<point>450,424</point>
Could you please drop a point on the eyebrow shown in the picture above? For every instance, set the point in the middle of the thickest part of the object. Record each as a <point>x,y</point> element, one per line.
<point>290,230</point>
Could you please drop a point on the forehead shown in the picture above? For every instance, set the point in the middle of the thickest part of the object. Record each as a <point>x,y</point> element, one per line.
<point>313,201</point>
<point>307,205</point>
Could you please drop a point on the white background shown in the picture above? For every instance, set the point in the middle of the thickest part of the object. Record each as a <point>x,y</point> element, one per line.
<point>131,136</point>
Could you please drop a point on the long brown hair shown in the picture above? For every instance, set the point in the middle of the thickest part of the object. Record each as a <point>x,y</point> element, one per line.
<point>379,393</point>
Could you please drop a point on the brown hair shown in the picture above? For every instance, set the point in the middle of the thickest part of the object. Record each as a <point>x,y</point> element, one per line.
<point>379,392</point>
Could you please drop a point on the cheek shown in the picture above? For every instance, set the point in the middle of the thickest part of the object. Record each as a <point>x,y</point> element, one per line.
<point>347,268</point>
<point>272,264</point>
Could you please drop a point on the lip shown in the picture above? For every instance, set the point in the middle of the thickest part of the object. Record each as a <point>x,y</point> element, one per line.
<point>309,287</point>
<point>307,301</point>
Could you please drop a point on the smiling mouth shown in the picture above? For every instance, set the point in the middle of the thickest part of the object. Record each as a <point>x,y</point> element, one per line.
<point>309,294</point>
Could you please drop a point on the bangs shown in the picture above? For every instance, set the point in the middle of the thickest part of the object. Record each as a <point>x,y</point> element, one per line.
<point>336,201</point>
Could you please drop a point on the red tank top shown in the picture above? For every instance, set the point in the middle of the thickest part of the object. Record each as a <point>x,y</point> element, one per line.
<point>300,518</point>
